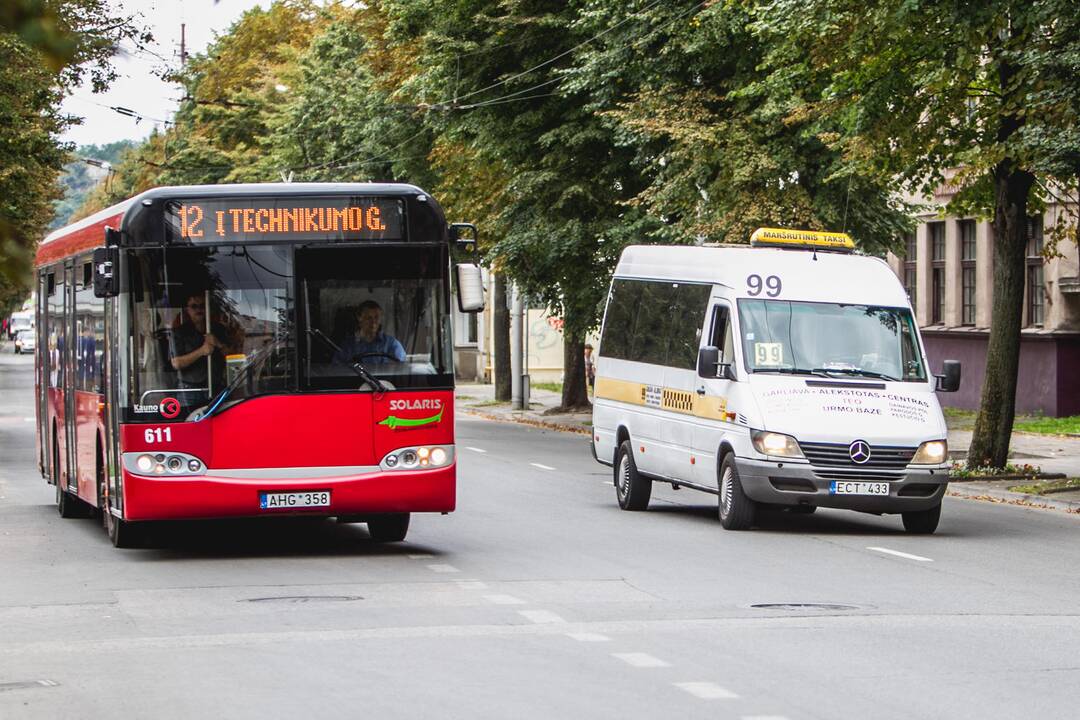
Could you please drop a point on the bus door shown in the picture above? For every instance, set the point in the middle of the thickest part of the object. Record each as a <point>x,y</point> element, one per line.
<point>67,375</point>
<point>41,376</point>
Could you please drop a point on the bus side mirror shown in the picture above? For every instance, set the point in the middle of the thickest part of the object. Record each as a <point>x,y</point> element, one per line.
<point>470,287</point>
<point>107,272</point>
<point>950,380</point>
<point>464,235</point>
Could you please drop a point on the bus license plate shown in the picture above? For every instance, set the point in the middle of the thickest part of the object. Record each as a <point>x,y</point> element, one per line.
<point>290,500</point>
<point>858,488</point>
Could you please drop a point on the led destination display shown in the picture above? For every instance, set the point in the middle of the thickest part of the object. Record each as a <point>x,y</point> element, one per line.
<point>254,219</point>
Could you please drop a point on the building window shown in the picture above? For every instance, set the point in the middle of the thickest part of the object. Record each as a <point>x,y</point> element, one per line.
<point>967,278</point>
<point>1036,297</point>
<point>937,272</point>
<point>911,257</point>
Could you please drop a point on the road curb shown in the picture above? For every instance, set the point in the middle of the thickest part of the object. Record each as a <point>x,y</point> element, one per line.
<point>533,422</point>
<point>977,492</point>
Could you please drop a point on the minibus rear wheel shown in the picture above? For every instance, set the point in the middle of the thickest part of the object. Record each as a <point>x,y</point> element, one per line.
<point>736,510</point>
<point>922,522</point>
<point>631,487</point>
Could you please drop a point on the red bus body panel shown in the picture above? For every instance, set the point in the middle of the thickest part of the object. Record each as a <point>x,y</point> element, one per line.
<point>297,431</point>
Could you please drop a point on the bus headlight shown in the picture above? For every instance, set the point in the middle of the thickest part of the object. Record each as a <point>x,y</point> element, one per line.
<point>775,444</point>
<point>423,457</point>
<point>931,452</point>
<point>171,463</point>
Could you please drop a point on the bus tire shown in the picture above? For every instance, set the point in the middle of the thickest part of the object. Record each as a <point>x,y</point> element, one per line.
<point>389,528</point>
<point>67,505</point>
<point>123,533</point>
<point>632,489</point>
<point>922,522</point>
<point>736,510</point>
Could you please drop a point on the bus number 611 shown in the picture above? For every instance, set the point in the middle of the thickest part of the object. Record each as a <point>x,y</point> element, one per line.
<point>157,435</point>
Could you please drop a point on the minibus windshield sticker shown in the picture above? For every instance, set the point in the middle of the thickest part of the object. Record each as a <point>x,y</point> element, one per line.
<point>768,354</point>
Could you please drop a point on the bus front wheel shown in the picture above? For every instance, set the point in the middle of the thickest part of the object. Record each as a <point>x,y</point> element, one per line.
<point>122,533</point>
<point>389,528</point>
<point>736,510</point>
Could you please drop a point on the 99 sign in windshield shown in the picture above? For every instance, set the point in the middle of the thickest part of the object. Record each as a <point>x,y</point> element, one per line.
<point>830,339</point>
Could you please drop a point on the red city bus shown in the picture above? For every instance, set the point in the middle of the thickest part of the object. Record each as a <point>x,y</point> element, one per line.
<point>246,350</point>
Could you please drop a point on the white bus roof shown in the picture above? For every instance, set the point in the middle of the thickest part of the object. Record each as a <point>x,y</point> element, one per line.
<point>803,274</point>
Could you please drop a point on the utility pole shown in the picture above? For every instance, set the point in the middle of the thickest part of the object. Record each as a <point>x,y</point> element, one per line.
<point>183,44</point>
<point>516,336</point>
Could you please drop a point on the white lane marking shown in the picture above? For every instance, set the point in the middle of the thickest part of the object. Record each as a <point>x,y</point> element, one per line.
<point>763,717</point>
<point>541,466</point>
<point>475,449</point>
<point>897,553</point>
<point>421,556</point>
<point>641,660</point>
<point>29,419</point>
<point>541,617</point>
<point>442,568</point>
<point>706,690</point>
<point>588,637</point>
<point>471,584</point>
<point>504,600</point>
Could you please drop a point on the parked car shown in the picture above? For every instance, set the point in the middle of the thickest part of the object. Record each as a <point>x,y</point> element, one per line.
<point>25,341</point>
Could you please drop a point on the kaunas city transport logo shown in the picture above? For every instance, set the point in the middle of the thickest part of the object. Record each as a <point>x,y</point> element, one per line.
<point>394,422</point>
<point>170,407</point>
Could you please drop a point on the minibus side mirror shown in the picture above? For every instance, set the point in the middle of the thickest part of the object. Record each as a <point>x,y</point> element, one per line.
<point>470,287</point>
<point>950,380</point>
<point>107,272</point>
<point>707,360</point>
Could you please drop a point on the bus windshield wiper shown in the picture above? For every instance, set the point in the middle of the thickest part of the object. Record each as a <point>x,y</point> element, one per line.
<point>357,366</point>
<point>245,372</point>
<point>860,372</point>
<point>791,371</point>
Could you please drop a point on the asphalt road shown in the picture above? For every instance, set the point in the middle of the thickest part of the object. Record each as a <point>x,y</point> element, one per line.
<point>538,598</point>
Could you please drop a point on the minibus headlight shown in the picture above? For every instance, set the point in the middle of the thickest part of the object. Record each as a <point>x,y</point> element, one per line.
<point>775,444</point>
<point>931,452</point>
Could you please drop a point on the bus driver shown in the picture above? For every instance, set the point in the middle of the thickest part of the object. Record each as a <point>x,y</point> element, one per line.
<point>191,344</point>
<point>369,344</point>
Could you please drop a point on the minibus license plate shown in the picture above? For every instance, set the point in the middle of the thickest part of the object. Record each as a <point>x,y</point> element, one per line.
<point>290,500</point>
<point>841,487</point>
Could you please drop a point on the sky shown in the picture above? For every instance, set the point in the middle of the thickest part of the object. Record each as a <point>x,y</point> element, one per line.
<point>137,87</point>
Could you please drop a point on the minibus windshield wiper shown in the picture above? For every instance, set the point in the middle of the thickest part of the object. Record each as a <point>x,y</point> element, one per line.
<point>859,371</point>
<point>791,371</point>
<point>245,372</point>
<point>356,365</point>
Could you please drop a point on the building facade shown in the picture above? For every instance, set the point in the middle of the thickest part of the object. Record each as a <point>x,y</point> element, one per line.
<point>948,269</point>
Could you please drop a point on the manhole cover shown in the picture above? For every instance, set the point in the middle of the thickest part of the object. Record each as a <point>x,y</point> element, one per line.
<point>803,606</point>
<point>298,599</point>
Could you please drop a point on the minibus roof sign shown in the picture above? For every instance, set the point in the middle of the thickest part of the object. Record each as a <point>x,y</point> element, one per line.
<point>801,239</point>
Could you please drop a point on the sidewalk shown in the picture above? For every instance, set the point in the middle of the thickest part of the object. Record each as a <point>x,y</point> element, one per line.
<point>1054,454</point>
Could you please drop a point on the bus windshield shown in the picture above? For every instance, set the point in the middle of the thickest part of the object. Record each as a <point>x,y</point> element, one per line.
<point>202,316</point>
<point>830,339</point>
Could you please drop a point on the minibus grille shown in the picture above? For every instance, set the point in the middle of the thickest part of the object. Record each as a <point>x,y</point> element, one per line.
<point>838,455</point>
<point>859,476</point>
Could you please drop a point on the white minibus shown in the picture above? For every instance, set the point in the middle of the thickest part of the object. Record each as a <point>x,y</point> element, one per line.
<point>788,373</point>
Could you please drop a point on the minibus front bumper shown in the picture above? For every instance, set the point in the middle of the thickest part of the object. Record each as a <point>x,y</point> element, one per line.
<point>786,483</point>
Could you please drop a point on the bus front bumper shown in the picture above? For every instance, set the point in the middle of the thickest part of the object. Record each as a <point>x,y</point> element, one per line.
<point>803,484</point>
<point>210,496</point>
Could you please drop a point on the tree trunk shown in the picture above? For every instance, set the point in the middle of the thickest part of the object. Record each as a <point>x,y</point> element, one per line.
<point>575,393</point>
<point>994,423</point>
<point>501,339</point>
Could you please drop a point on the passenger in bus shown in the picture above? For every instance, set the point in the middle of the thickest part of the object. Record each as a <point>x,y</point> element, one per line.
<point>369,344</point>
<point>191,345</point>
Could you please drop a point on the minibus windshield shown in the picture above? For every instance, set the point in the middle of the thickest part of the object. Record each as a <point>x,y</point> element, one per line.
<point>832,339</point>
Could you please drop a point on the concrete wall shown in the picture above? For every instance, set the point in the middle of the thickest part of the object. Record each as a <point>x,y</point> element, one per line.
<point>1047,382</point>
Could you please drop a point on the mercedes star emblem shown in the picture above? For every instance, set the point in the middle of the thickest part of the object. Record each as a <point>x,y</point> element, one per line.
<point>859,451</point>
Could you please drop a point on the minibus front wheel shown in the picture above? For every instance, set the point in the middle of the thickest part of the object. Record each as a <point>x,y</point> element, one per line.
<point>631,487</point>
<point>922,522</point>
<point>737,511</point>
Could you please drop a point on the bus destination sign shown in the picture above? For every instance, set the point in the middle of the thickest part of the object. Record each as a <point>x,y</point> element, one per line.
<point>262,219</point>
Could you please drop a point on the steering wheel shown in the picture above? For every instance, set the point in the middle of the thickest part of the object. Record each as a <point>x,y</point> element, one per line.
<point>360,356</point>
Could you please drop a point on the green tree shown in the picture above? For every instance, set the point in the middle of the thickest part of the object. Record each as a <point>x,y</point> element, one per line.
<point>925,88</point>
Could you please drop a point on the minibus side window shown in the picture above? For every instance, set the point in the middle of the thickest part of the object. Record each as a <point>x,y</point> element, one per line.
<point>722,337</point>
